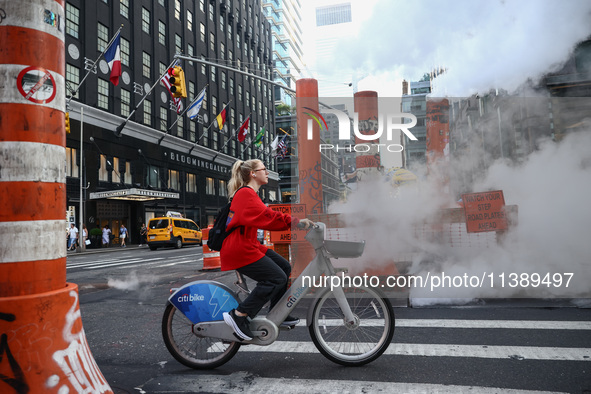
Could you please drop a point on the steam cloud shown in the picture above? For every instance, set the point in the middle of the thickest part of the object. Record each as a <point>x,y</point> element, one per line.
<point>482,44</point>
<point>551,190</point>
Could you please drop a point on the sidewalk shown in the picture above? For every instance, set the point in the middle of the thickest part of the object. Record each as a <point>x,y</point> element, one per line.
<point>112,248</point>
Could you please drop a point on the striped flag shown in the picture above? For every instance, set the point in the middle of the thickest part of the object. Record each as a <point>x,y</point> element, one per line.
<point>221,118</point>
<point>282,148</point>
<point>193,110</point>
<point>166,81</point>
<point>113,57</point>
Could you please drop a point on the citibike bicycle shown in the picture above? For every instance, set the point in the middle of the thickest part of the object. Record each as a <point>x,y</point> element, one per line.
<point>349,325</point>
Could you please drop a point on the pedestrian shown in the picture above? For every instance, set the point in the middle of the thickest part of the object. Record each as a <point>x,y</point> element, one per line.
<point>106,236</point>
<point>73,237</point>
<point>242,251</point>
<point>84,234</point>
<point>123,235</point>
<point>143,235</point>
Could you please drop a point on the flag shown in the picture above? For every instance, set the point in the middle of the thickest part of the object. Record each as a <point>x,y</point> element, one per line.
<point>166,81</point>
<point>258,140</point>
<point>113,57</point>
<point>194,109</point>
<point>221,119</point>
<point>243,131</point>
<point>282,148</point>
<point>275,143</point>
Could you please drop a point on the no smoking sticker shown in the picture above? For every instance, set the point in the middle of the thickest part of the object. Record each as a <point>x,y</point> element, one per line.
<point>36,84</point>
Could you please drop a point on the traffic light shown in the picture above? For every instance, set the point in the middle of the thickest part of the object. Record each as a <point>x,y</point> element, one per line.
<point>67,123</point>
<point>177,82</point>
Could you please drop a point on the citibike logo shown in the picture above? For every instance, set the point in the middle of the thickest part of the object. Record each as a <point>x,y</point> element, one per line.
<point>294,297</point>
<point>191,298</point>
<point>388,122</point>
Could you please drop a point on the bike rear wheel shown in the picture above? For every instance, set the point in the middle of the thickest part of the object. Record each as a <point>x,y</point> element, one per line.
<point>361,342</point>
<point>192,350</point>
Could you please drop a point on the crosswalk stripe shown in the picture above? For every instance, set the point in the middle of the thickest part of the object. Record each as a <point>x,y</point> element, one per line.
<point>249,383</point>
<point>143,262</point>
<point>447,350</point>
<point>97,262</point>
<point>478,324</point>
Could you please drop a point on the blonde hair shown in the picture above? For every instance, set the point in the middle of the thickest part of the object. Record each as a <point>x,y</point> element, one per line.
<point>241,174</point>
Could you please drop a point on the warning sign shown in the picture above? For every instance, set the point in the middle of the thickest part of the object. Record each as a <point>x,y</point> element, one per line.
<point>485,211</point>
<point>287,236</point>
<point>36,84</point>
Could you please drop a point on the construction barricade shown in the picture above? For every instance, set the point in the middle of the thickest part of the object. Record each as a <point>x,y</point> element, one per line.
<point>211,258</point>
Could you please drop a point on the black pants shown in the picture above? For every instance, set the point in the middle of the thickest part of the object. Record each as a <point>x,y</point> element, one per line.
<point>271,273</point>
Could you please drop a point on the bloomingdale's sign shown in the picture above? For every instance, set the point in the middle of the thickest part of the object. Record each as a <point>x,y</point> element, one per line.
<point>196,162</point>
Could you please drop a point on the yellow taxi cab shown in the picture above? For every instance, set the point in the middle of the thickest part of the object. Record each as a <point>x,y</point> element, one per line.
<point>173,230</point>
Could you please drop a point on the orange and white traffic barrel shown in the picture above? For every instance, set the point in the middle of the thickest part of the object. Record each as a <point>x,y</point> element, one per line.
<point>211,258</point>
<point>45,348</point>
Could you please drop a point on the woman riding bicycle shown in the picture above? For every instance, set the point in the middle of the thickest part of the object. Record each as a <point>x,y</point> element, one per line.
<point>241,250</point>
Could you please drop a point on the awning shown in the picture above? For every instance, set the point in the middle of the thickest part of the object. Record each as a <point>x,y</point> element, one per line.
<point>134,195</point>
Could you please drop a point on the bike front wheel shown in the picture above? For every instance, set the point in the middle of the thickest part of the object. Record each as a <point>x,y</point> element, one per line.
<point>190,349</point>
<point>358,343</point>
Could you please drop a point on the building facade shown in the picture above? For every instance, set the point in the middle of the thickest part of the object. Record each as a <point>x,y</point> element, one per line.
<point>162,161</point>
<point>285,18</point>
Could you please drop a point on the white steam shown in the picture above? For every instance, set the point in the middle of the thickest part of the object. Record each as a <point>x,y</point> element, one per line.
<point>551,189</point>
<point>482,44</point>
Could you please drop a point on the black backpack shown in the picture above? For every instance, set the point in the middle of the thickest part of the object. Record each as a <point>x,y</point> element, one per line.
<point>218,232</point>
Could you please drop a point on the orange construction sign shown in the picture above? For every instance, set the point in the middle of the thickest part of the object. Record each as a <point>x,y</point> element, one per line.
<point>485,211</point>
<point>293,235</point>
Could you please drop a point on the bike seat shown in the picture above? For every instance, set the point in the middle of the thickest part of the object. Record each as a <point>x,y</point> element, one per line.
<point>344,249</point>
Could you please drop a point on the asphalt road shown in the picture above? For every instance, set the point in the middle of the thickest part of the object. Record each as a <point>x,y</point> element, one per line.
<point>496,346</point>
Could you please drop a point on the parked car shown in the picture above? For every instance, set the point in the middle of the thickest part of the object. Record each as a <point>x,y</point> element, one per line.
<point>173,231</point>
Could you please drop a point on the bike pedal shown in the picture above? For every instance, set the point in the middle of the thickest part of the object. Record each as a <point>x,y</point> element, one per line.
<point>287,327</point>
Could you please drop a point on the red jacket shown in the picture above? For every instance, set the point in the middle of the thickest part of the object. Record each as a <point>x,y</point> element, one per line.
<point>241,247</point>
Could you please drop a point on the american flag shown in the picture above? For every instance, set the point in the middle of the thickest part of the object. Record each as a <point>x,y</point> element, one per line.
<point>166,81</point>
<point>282,148</point>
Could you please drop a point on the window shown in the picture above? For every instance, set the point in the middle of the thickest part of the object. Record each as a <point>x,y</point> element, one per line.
<point>71,166</point>
<point>177,9</point>
<point>222,22</point>
<point>179,126</point>
<point>127,176</point>
<point>189,20</point>
<point>173,180</point>
<point>223,76</point>
<point>231,87</point>
<point>163,119</point>
<point>212,41</point>
<point>202,5</point>
<point>103,170</point>
<point>204,102</point>
<point>209,188</point>
<point>115,169</point>
<point>103,94</point>
<point>72,20</point>
<point>72,79</point>
<point>161,33</point>
<point>222,50</point>
<point>146,60</point>
<point>191,183</point>
<point>102,37</point>
<point>124,8</point>
<point>210,11</point>
<point>212,76</point>
<point>178,43</point>
<point>125,102</point>
<point>202,31</point>
<point>223,189</point>
<point>145,20</point>
<point>214,104</point>
<point>124,51</point>
<point>153,176</point>
<point>161,68</point>
<point>240,92</point>
<point>147,112</point>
